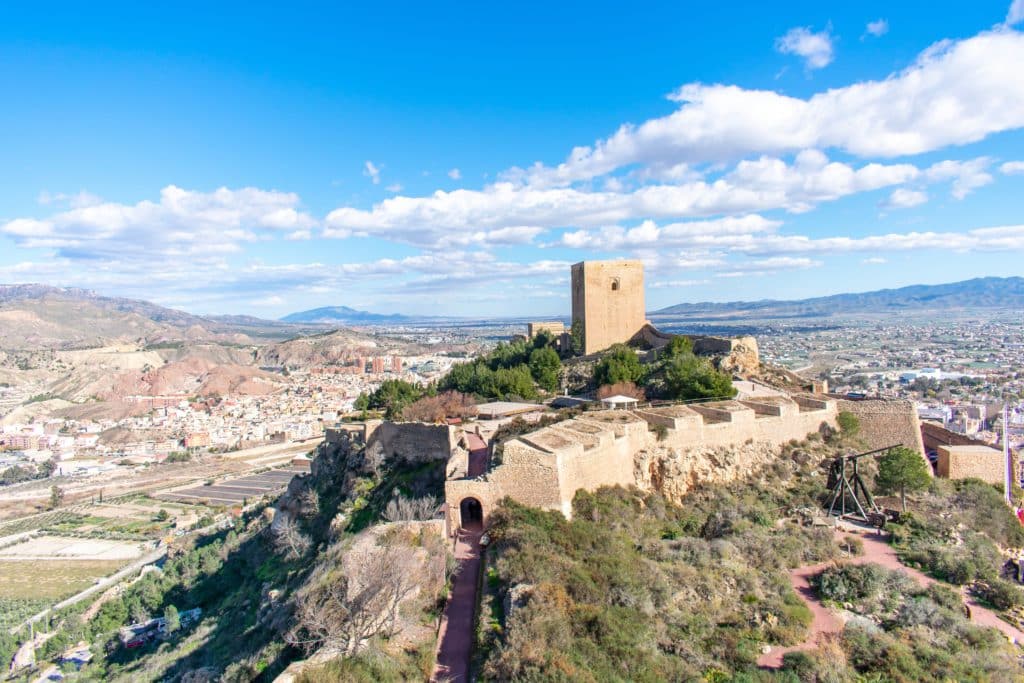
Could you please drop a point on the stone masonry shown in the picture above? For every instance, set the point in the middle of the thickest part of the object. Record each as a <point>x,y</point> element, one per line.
<point>546,467</point>
<point>965,462</point>
<point>608,301</point>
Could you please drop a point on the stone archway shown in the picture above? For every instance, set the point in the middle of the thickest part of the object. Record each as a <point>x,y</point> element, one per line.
<point>471,514</point>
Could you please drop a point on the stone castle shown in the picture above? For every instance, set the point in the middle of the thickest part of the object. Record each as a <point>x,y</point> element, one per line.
<point>687,444</point>
<point>648,447</point>
<point>668,448</point>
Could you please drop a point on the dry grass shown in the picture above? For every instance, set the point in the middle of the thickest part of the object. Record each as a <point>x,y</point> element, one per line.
<point>54,579</point>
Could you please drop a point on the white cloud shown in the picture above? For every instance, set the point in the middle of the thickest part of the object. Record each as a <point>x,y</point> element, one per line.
<point>1012,167</point>
<point>769,266</point>
<point>1002,238</point>
<point>1015,14</point>
<point>877,28</point>
<point>394,187</point>
<point>874,260</point>
<point>183,224</point>
<point>903,198</point>
<point>77,200</point>
<point>648,234</point>
<point>758,185</point>
<point>372,171</point>
<point>953,94</point>
<point>269,301</point>
<point>966,176</point>
<point>674,284</point>
<point>814,48</point>
<point>455,174</point>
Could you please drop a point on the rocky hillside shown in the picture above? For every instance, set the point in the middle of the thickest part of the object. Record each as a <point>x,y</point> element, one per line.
<point>43,317</point>
<point>336,347</point>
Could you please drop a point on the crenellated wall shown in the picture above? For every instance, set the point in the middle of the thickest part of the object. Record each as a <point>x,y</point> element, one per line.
<point>547,467</point>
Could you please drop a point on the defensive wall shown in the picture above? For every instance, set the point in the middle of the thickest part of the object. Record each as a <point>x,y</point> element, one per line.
<point>971,462</point>
<point>935,435</point>
<point>412,442</point>
<point>886,423</point>
<point>546,467</point>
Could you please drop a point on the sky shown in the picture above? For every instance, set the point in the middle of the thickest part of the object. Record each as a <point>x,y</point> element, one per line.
<point>455,159</point>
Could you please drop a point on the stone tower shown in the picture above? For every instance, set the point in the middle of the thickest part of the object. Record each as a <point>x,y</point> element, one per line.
<point>608,299</point>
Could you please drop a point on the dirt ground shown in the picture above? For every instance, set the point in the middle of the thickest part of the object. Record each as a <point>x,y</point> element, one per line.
<point>55,579</point>
<point>59,547</point>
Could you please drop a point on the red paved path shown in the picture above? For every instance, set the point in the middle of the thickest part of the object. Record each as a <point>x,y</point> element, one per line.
<point>478,455</point>
<point>455,639</point>
<point>877,551</point>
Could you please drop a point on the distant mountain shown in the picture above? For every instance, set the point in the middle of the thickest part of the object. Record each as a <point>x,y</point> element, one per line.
<point>341,314</point>
<point>986,292</point>
<point>40,316</point>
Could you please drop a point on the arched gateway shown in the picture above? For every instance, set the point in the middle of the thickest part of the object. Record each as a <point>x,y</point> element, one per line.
<point>471,514</point>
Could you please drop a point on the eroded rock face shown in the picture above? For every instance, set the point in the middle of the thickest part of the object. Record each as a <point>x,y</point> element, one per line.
<point>673,472</point>
<point>744,359</point>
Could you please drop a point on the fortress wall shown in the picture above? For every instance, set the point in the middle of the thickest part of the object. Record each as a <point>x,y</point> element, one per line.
<point>745,425</point>
<point>412,442</point>
<point>611,448</point>
<point>886,423</point>
<point>711,345</point>
<point>977,462</point>
<point>935,435</point>
<point>609,464</point>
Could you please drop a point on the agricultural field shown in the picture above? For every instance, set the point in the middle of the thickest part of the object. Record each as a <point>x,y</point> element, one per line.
<point>14,611</point>
<point>234,492</point>
<point>22,580</point>
<point>133,518</point>
<point>45,548</point>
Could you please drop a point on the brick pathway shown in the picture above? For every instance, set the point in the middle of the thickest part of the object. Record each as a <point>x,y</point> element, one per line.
<point>455,639</point>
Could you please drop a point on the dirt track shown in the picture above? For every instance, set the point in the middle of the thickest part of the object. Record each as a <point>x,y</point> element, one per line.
<point>825,621</point>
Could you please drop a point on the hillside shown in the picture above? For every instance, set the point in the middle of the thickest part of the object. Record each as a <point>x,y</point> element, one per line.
<point>986,293</point>
<point>336,347</point>
<point>42,317</point>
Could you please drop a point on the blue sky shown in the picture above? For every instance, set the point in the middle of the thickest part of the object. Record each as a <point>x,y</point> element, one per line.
<point>445,159</point>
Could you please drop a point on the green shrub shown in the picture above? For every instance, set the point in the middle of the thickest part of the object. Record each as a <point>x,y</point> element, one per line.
<point>1000,593</point>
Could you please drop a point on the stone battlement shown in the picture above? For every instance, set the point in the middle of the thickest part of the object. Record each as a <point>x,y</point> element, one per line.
<point>546,467</point>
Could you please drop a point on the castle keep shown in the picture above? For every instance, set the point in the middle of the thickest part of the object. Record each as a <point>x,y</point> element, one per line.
<point>608,302</point>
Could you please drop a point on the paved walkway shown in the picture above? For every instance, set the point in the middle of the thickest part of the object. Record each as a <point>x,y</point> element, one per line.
<point>876,551</point>
<point>455,639</point>
<point>479,455</point>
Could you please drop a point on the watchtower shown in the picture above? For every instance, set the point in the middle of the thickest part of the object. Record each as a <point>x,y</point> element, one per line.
<point>608,301</point>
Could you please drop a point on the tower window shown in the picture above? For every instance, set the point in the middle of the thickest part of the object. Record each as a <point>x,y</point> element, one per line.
<point>615,284</point>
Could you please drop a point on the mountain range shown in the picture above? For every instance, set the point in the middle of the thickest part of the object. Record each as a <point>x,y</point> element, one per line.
<point>980,293</point>
<point>341,314</point>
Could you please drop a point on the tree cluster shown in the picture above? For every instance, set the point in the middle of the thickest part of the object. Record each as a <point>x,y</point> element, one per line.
<point>439,407</point>
<point>392,397</point>
<point>678,374</point>
<point>513,370</point>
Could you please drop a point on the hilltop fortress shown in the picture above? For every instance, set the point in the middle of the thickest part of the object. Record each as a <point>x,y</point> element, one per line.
<point>669,449</point>
<point>666,448</point>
